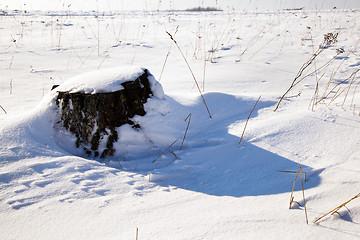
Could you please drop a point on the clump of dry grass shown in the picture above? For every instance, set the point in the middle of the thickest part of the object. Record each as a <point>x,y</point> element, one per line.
<point>342,89</point>
<point>329,40</point>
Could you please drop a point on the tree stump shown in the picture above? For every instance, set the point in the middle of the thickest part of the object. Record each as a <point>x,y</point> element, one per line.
<point>93,118</point>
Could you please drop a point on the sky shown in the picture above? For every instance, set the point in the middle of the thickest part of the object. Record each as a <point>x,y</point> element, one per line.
<point>107,5</point>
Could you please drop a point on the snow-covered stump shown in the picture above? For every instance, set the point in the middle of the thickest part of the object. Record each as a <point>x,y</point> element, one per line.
<point>93,106</point>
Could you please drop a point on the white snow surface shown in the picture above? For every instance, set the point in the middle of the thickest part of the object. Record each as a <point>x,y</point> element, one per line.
<point>211,187</point>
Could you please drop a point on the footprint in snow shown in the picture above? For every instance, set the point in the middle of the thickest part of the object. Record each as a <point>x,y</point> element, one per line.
<point>20,203</point>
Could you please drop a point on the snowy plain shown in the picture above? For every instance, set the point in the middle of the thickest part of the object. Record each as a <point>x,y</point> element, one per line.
<point>214,188</point>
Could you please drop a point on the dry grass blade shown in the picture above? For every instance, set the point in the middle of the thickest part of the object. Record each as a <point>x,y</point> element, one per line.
<point>165,150</point>
<point>167,55</point>
<point>188,117</point>
<point>247,120</point>
<point>3,109</point>
<point>314,99</point>
<point>204,73</point>
<point>292,191</point>
<point>337,208</point>
<point>137,233</point>
<point>192,73</point>
<point>11,86</point>
<point>303,192</point>
<point>338,87</point>
<point>348,89</point>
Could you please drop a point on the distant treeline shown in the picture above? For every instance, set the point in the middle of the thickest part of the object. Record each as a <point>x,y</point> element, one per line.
<point>203,9</point>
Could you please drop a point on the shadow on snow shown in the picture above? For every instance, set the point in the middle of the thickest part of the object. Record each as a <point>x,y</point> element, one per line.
<point>212,162</point>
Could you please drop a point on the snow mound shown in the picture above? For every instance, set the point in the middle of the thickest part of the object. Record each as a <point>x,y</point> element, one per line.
<point>132,143</point>
<point>40,134</point>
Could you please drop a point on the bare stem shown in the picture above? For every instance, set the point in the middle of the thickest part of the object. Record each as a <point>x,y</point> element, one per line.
<point>188,117</point>
<point>302,186</point>
<point>187,63</point>
<point>3,109</point>
<point>292,191</point>
<point>165,150</point>
<point>167,55</point>
<point>337,208</point>
<point>247,120</point>
<point>303,192</point>
<point>11,86</point>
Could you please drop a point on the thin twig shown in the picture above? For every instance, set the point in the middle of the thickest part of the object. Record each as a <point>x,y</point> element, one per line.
<point>188,117</point>
<point>316,93</point>
<point>204,72</point>
<point>187,63</point>
<point>348,89</point>
<point>173,153</point>
<point>247,120</point>
<point>338,86</point>
<point>292,191</point>
<point>3,109</point>
<point>303,192</point>
<point>337,208</point>
<point>167,55</point>
<point>165,150</point>
<point>11,86</point>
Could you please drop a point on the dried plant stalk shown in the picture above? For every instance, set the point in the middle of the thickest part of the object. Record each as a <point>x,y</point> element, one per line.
<point>316,93</point>
<point>247,120</point>
<point>192,73</point>
<point>3,109</point>
<point>167,55</point>
<point>338,87</point>
<point>337,208</point>
<point>292,191</point>
<point>188,117</point>
<point>329,39</point>
<point>11,86</point>
<point>303,192</point>
<point>165,150</point>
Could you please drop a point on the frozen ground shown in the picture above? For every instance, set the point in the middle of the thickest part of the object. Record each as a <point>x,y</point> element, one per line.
<point>214,188</point>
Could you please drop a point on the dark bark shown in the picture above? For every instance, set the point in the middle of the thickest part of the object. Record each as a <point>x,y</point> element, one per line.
<point>93,118</point>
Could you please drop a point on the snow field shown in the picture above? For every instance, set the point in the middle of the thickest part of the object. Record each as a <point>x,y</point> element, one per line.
<point>215,188</point>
